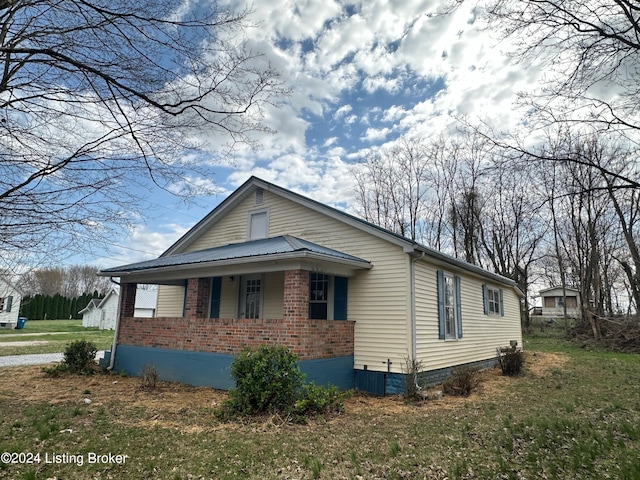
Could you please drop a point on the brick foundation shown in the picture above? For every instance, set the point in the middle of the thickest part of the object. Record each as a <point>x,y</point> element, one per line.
<point>308,339</point>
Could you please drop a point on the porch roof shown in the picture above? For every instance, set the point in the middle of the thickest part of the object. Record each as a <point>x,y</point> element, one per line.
<point>284,247</point>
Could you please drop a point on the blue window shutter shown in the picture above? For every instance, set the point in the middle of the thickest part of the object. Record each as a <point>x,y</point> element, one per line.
<point>501,304</point>
<point>9,303</point>
<point>440,291</point>
<point>340,289</point>
<point>485,299</point>
<point>458,307</point>
<point>216,286</point>
<point>184,300</point>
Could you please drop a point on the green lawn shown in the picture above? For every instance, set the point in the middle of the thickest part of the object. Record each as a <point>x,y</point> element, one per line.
<point>45,326</point>
<point>578,419</point>
<point>64,332</point>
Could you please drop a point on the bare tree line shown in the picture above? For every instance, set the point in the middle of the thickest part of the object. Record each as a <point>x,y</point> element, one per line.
<point>70,282</point>
<point>559,223</point>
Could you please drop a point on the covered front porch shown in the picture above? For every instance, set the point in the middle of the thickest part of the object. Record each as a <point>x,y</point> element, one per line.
<point>268,295</point>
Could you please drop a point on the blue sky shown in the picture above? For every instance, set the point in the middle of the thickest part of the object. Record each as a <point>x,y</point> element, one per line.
<point>361,74</point>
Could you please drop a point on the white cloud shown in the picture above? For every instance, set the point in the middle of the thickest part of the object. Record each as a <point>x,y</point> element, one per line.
<point>142,242</point>
<point>359,75</point>
<point>342,111</point>
<point>376,135</point>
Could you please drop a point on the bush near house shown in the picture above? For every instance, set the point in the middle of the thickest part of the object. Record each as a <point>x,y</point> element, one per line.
<point>79,358</point>
<point>268,380</point>
<point>461,382</point>
<point>511,361</point>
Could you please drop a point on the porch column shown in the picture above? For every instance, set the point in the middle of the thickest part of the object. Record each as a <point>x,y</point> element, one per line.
<point>296,294</point>
<point>197,301</point>
<point>128,305</point>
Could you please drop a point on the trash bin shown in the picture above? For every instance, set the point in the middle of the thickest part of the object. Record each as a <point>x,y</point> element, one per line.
<point>21,322</point>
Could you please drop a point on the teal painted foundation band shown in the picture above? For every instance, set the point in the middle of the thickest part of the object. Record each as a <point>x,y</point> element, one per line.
<point>214,369</point>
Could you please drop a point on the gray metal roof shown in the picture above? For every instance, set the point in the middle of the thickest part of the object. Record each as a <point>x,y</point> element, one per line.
<point>245,250</point>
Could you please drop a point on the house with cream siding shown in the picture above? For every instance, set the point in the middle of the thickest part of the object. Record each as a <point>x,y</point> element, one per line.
<point>556,300</point>
<point>352,300</point>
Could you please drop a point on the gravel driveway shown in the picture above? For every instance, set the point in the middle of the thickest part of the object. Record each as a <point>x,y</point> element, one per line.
<point>36,359</point>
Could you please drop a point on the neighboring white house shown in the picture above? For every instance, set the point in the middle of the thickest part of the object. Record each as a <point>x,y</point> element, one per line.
<point>553,302</point>
<point>10,298</point>
<point>91,314</point>
<point>102,313</point>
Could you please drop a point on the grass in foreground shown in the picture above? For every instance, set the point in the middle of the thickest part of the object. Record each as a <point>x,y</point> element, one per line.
<point>577,419</point>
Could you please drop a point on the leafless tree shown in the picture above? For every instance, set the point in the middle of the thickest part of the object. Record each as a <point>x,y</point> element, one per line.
<point>589,217</point>
<point>70,282</point>
<point>591,49</point>
<point>513,228</point>
<point>391,187</point>
<point>590,52</point>
<point>100,99</point>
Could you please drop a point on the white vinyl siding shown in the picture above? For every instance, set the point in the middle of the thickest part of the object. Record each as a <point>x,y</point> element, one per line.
<point>379,300</point>
<point>6,291</point>
<point>273,295</point>
<point>170,301</point>
<point>228,296</point>
<point>232,228</point>
<point>482,333</point>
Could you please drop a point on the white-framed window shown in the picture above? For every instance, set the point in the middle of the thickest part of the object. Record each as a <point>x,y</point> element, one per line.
<point>258,224</point>
<point>319,296</point>
<point>449,306</point>
<point>450,332</point>
<point>250,298</point>
<point>493,300</point>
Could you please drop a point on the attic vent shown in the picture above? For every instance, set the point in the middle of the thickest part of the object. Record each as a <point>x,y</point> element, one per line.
<point>259,196</point>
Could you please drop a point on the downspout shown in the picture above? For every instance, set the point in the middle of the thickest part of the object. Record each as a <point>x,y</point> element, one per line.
<point>412,273</point>
<point>112,359</point>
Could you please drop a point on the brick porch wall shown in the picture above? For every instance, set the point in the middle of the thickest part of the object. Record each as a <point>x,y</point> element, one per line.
<point>308,339</point>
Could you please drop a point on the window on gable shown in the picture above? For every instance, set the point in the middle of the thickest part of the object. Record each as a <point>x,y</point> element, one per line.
<point>258,225</point>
